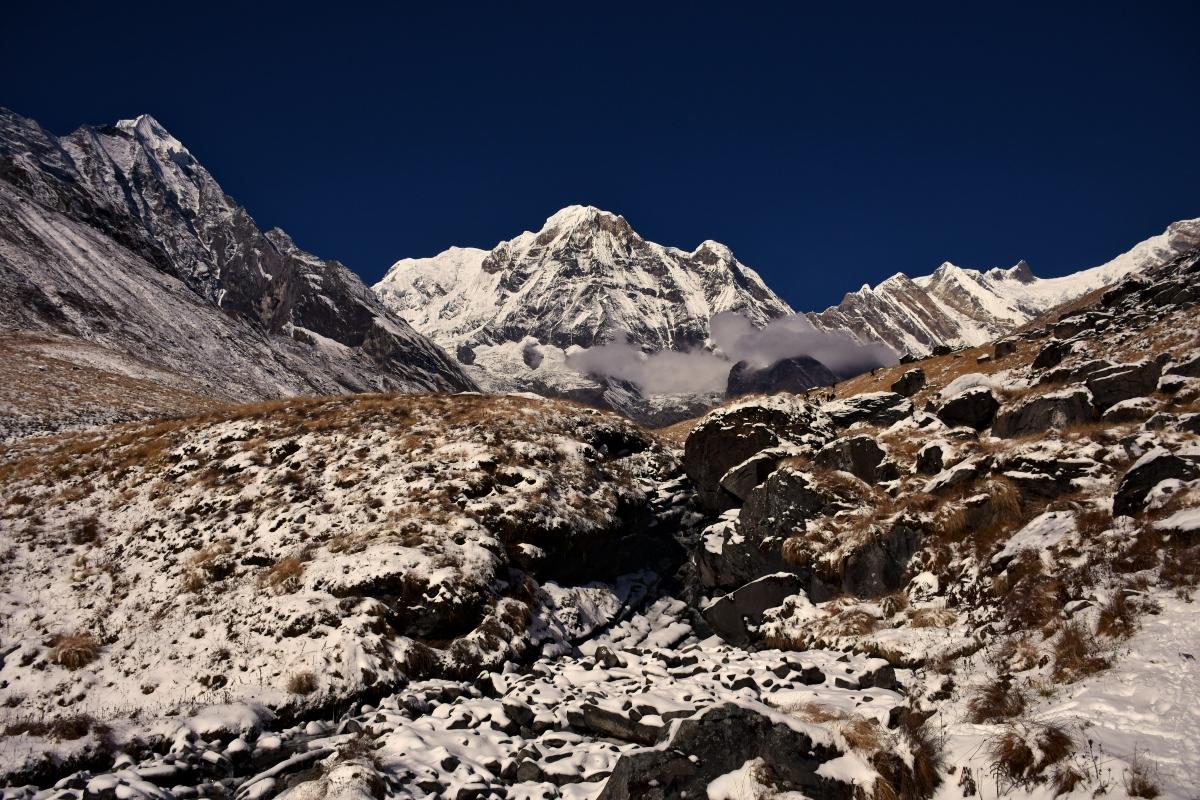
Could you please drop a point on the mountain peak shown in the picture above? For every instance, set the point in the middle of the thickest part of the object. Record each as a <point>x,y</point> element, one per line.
<point>146,128</point>
<point>574,215</point>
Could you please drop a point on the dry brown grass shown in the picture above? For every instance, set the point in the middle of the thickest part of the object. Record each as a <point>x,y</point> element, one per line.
<point>1075,654</point>
<point>304,682</point>
<point>1118,618</point>
<point>931,618</point>
<point>1018,764</point>
<point>205,565</point>
<point>1141,779</point>
<point>998,700</point>
<point>74,650</point>
<point>284,576</point>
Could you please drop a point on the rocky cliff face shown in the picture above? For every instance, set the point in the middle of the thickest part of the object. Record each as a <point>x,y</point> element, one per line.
<point>964,307</point>
<point>116,234</point>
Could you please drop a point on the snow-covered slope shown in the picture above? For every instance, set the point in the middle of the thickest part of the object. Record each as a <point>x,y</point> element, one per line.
<point>584,279</point>
<point>956,306</point>
<point>117,235</point>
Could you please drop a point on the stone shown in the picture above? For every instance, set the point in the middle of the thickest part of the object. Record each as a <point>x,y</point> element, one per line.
<point>877,567</point>
<point>931,458</point>
<point>909,383</point>
<point>1041,413</point>
<point>1004,347</point>
<point>1133,410</point>
<point>861,456</point>
<point>1188,368</point>
<point>796,375</point>
<point>1051,355</point>
<point>973,408</point>
<point>728,436</point>
<point>1124,381</point>
<point>1157,465</point>
<point>742,478</point>
<point>874,408</point>
<point>717,742</point>
<point>729,614</point>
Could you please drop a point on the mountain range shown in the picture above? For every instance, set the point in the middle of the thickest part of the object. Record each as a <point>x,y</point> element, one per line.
<point>115,236</point>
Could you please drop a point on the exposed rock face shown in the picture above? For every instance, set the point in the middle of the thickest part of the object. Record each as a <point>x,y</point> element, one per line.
<point>730,614</point>
<point>717,743</point>
<point>861,456</point>
<point>729,436</point>
<point>874,408</point>
<point>795,375</point>
<point>931,458</point>
<point>1155,466</point>
<point>1124,381</point>
<point>879,567</point>
<point>116,234</point>
<point>973,408</point>
<point>910,382</point>
<point>1045,412</point>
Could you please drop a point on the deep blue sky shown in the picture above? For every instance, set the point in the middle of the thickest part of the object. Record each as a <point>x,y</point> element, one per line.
<point>827,148</point>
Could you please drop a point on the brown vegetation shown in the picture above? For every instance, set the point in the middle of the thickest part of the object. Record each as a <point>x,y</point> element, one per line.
<point>74,650</point>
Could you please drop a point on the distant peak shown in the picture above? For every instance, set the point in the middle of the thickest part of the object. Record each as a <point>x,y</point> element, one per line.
<point>716,248</point>
<point>1021,272</point>
<point>147,129</point>
<point>575,215</point>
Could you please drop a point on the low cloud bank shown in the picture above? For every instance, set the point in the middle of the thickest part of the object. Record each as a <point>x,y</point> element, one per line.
<point>736,339</point>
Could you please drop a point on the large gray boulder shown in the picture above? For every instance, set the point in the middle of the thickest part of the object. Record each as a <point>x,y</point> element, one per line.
<point>730,614</point>
<point>873,408</point>
<point>728,436</point>
<point>1156,466</point>
<point>972,408</point>
<point>1045,412</point>
<point>717,742</point>
<point>861,456</point>
<point>878,567</point>
<point>910,382</point>
<point>1124,381</point>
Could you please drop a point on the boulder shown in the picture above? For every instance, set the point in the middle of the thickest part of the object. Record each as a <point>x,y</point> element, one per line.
<point>861,456</point>
<point>941,350</point>
<point>878,567</point>
<point>1155,466</point>
<point>697,751</point>
<point>730,614</point>
<point>728,436</point>
<point>874,408</point>
<point>910,382</point>
<point>1051,355</point>
<point>931,458</point>
<point>960,474</point>
<point>1188,368</point>
<point>1124,381</point>
<point>1045,412</point>
<point>1133,410</point>
<point>1004,347</point>
<point>741,478</point>
<point>1077,373</point>
<point>973,408</point>
<point>797,375</point>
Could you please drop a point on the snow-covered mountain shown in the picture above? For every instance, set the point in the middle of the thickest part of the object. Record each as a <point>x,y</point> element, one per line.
<point>956,306</point>
<point>584,279</point>
<point>117,235</point>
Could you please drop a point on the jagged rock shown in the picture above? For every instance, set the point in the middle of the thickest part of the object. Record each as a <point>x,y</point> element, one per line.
<point>729,436</point>
<point>1004,347</point>
<point>877,568</point>
<point>1124,381</point>
<point>617,724</point>
<point>910,382</point>
<point>716,743</point>
<point>1152,468</point>
<point>958,475</point>
<point>1044,413</point>
<point>1131,410</point>
<point>1189,368</point>
<point>796,375</point>
<point>1076,373</point>
<point>1189,423</point>
<point>729,614</point>
<point>1051,355</point>
<point>875,408</point>
<point>741,479</point>
<point>973,408</point>
<point>931,458</point>
<point>941,350</point>
<point>861,456</point>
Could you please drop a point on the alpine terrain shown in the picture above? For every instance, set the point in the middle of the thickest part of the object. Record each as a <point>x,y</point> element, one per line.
<point>119,252</point>
<point>262,539</point>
